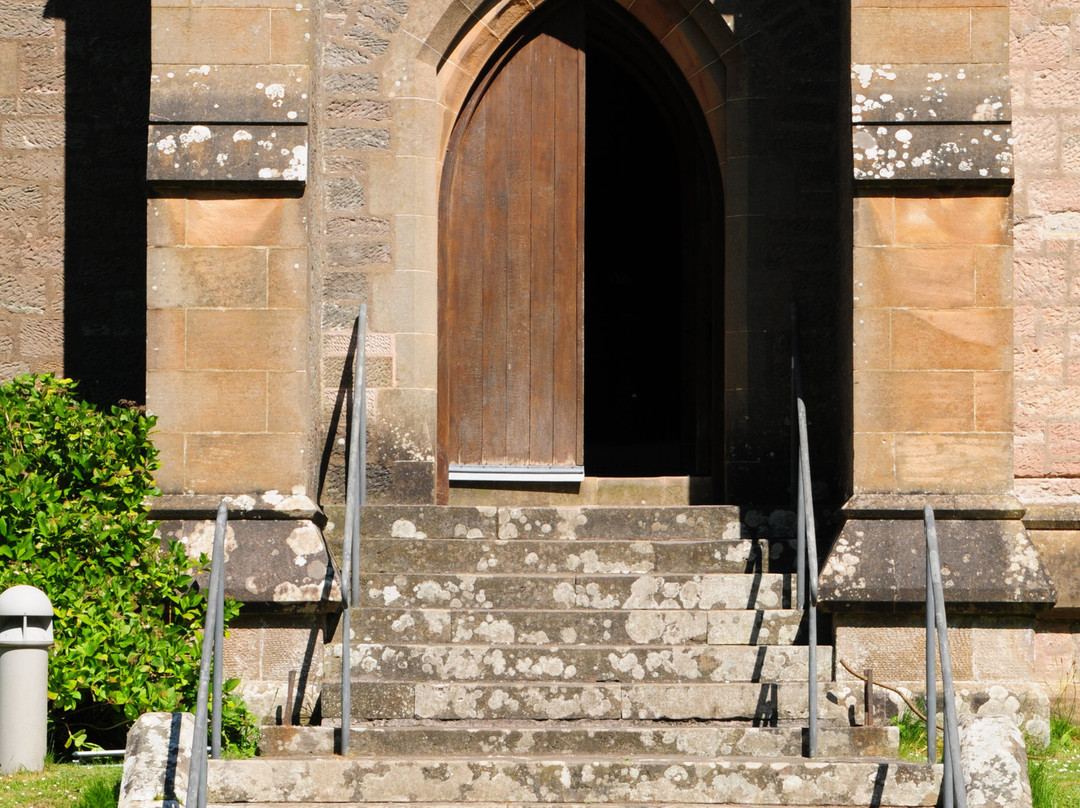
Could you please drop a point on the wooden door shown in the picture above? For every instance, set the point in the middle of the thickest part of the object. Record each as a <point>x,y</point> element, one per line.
<point>511,263</point>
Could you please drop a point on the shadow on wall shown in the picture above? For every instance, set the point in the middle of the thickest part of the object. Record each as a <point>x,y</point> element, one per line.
<point>107,108</point>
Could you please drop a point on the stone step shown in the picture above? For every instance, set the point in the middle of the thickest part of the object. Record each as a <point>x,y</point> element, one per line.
<point>584,664</point>
<point>585,522</point>
<point>574,780</point>
<point>541,591</point>
<point>501,805</point>
<point>589,556</point>
<point>543,627</point>
<point>764,703</point>
<point>547,738</point>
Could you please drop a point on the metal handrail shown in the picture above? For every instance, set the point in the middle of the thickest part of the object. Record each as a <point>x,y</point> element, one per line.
<point>806,535</point>
<point>212,643</point>
<point>952,780</point>
<point>355,498</point>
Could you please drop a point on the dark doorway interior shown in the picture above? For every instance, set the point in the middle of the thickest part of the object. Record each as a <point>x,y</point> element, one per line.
<point>646,411</point>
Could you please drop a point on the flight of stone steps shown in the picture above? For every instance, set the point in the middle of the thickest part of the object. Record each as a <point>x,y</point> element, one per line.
<point>626,656</point>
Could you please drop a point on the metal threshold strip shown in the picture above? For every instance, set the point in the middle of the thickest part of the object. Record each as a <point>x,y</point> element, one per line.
<point>521,474</point>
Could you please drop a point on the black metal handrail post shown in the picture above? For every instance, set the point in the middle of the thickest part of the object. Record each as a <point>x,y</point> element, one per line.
<point>213,634</point>
<point>952,781</point>
<point>355,498</point>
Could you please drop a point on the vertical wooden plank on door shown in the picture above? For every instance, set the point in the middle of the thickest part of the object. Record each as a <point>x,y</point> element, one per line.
<point>511,278</point>
<point>518,257</point>
<point>493,287</point>
<point>569,236</point>
<point>543,234</point>
<point>464,310</point>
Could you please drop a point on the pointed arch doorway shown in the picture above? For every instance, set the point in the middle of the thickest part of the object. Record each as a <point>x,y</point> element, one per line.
<point>580,261</point>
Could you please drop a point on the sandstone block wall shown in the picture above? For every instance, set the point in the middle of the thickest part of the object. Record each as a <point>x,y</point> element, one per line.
<point>932,286</point>
<point>227,355</point>
<point>932,343</point>
<point>31,190</point>
<point>1046,227</point>
<point>229,366</point>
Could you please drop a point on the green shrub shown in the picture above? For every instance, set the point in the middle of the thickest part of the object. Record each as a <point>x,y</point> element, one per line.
<point>73,482</point>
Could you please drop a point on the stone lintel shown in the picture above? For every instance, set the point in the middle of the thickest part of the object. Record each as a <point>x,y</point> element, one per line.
<point>230,93</point>
<point>226,153</point>
<point>272,564</point>
<point>972,152</point>
<point>946,506</point>
<point>930,93</point>
<point>988,564</point>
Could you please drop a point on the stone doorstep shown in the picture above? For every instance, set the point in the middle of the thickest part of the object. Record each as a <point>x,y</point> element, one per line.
<point>764,703</point>
<point>584,664</point>
<point>674,779</point>
<point>562,591</point>
<point>581,738</point>
<point>536,554</point>
<point>578,522</point>
<point>543,627</point>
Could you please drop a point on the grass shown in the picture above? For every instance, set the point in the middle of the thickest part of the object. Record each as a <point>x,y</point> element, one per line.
<point>62,785</point>
<point>912,736</point>
<point>1055,771</point>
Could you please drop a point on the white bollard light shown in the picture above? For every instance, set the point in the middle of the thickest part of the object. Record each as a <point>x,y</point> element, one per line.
<point>26,634</point>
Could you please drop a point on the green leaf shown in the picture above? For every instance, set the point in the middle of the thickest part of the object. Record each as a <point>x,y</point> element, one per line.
<point>73,481</point>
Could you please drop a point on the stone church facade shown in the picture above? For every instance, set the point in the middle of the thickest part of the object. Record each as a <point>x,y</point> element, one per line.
<point>197,196</point>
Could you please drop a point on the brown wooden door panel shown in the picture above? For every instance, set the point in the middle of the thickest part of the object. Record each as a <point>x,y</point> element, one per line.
<point>511,278</point>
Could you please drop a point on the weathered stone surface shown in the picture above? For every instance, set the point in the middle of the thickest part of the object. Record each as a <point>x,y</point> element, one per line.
<point>569,523</point>
<point>582,738</point>
<point>932,152</point>
<point>198,152</point>
<point>621,522</point>
<point>542,627</point>
<point>278,563</point>
<point>267,505</point>
<point>671,701</point>
<point>508,663</point>
<point>994,759</point>
<point>536,555</point>
<point>1057,548</point>
<point>654,779</point>
<point>230,93</point>
<point>420,522</point>
<point>882,564</point>
<point>941,93</point>
<point>156,761</point>
<point>488,591</point>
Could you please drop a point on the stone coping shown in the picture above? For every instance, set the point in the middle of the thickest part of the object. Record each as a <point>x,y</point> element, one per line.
<point>946,506</point>
<point>1046,516</point>
<point>988,564</point>
<point>264,505</point>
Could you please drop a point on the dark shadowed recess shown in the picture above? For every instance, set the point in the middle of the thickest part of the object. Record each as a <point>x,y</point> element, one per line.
<point>108,97</point>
